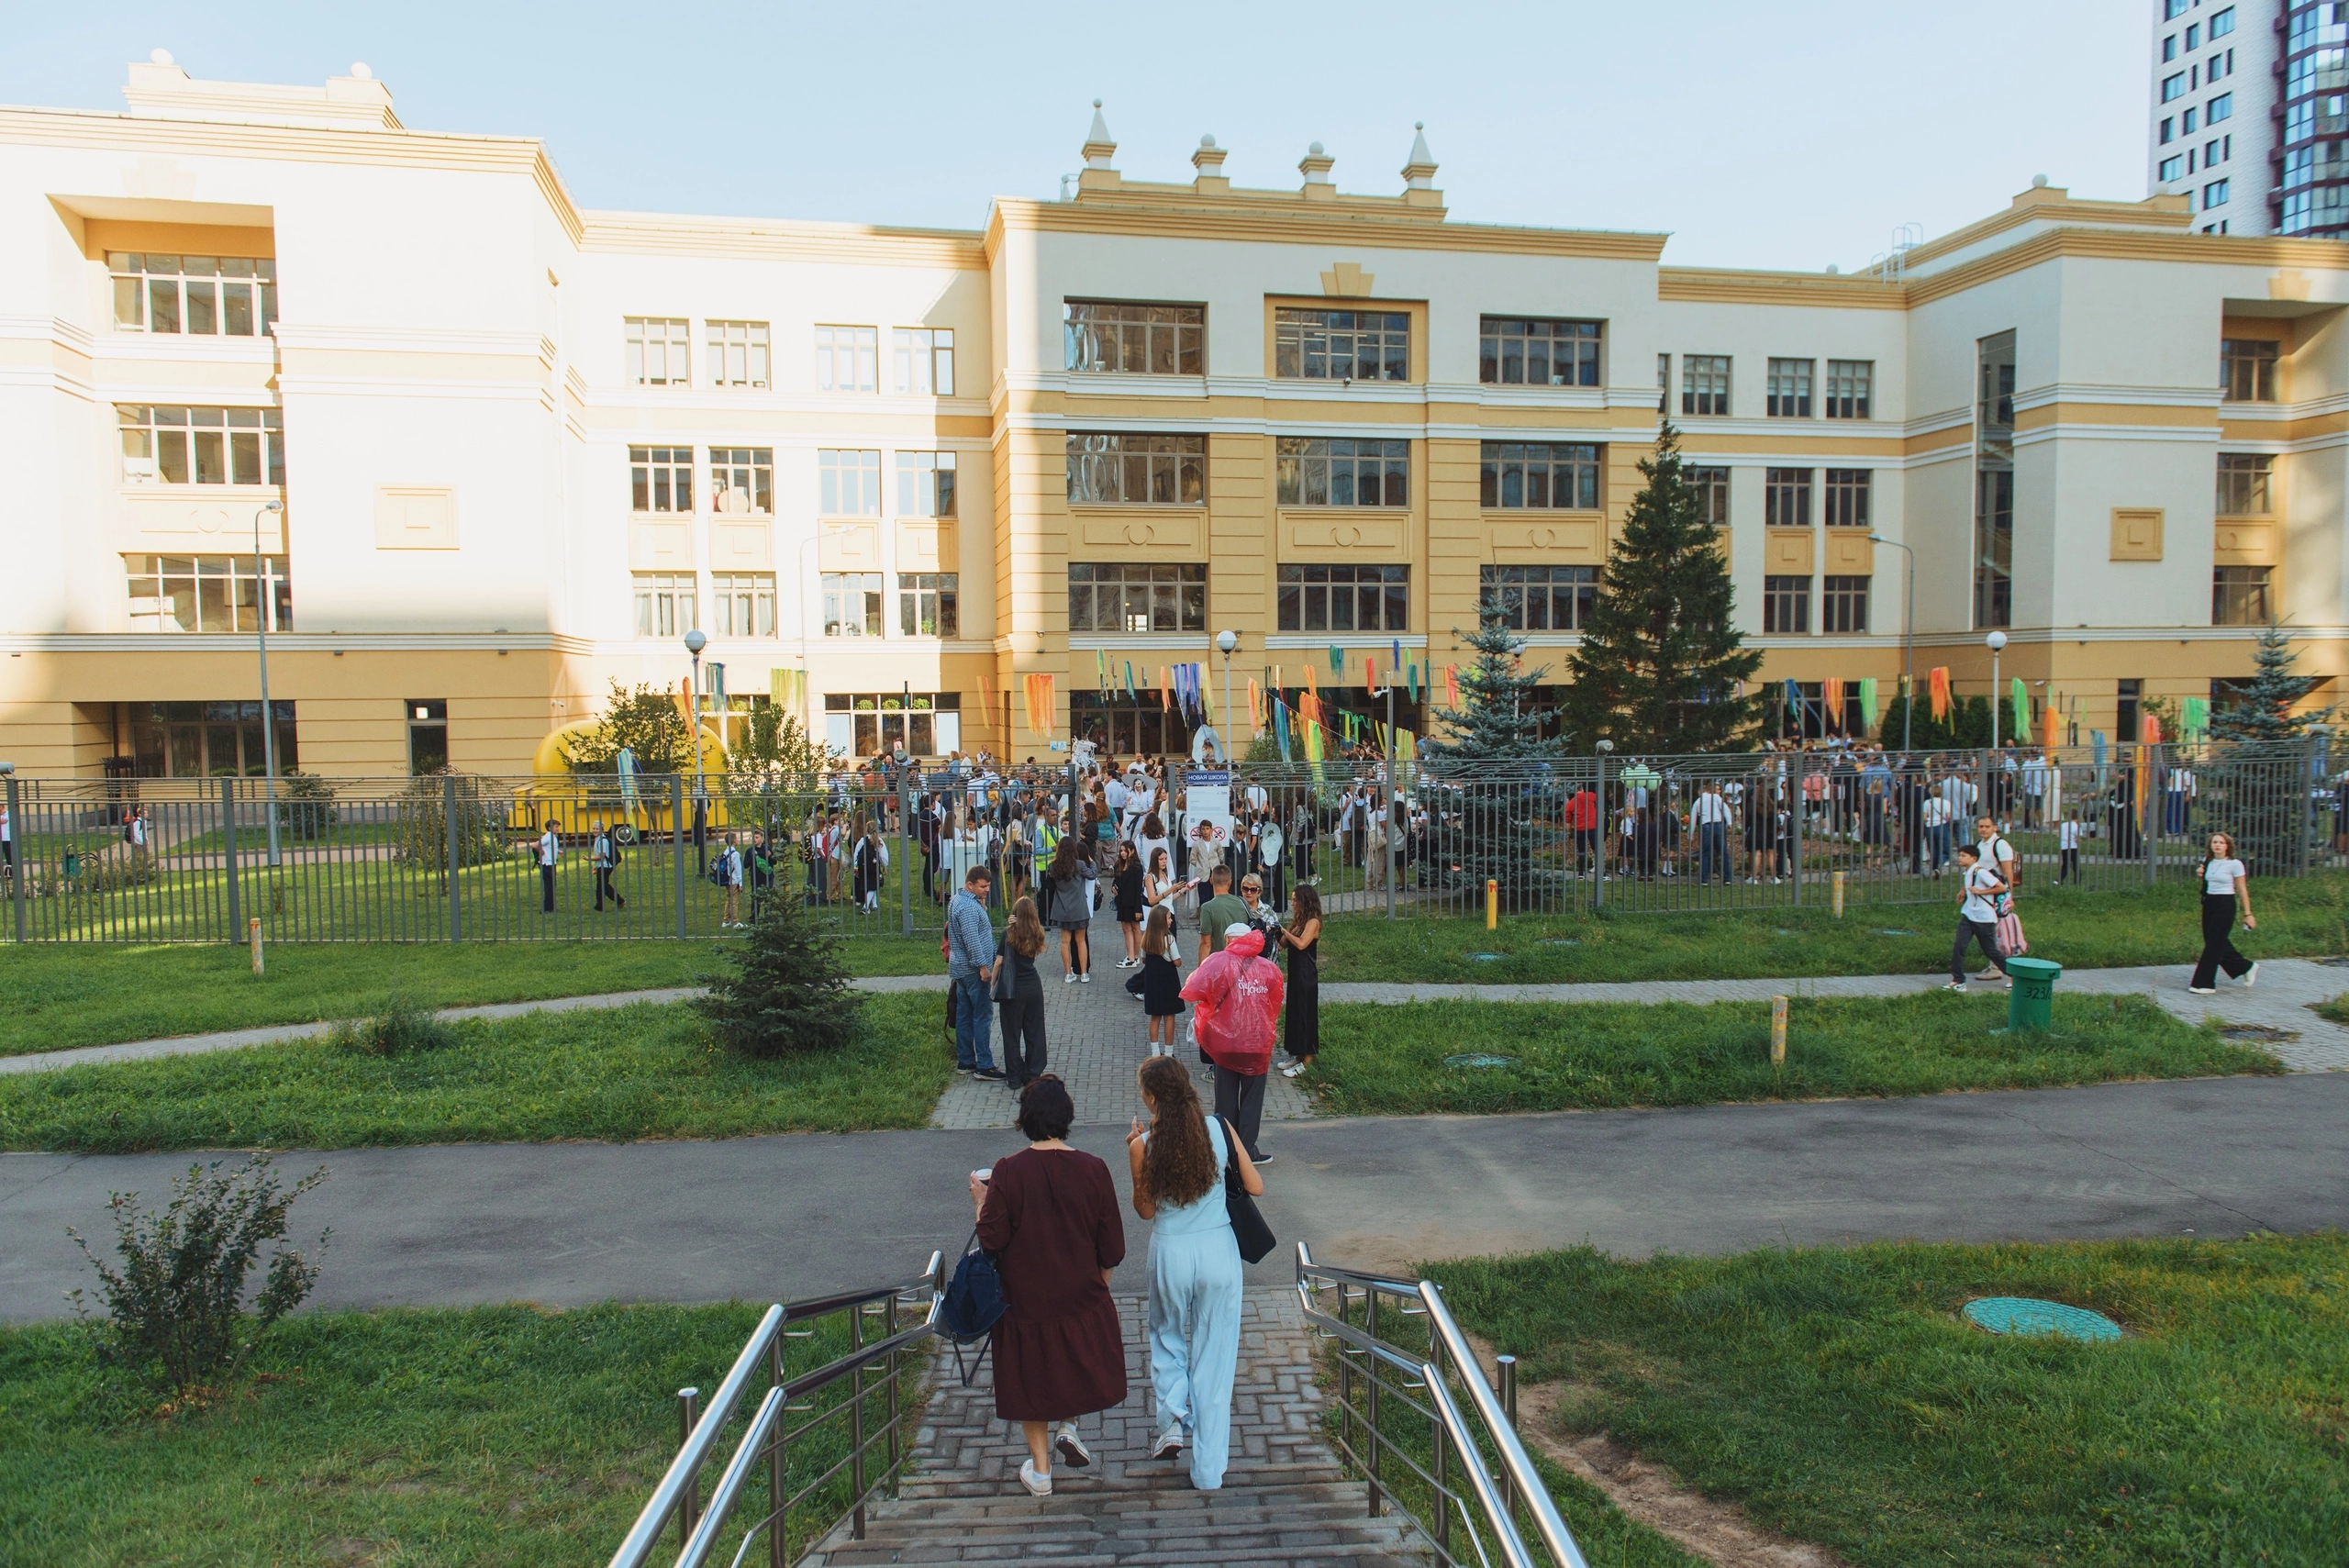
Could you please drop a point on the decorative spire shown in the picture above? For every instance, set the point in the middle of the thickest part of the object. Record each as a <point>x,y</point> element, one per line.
<point>1419,172</point>
<point>1208,161</point>
<point>1315,166</point>
<point>1099,145</point>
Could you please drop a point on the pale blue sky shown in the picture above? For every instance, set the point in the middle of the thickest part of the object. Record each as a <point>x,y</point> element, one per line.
<point>1788,134</point>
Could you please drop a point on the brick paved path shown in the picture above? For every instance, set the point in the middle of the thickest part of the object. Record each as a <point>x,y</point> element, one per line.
<point>1282,1502</point>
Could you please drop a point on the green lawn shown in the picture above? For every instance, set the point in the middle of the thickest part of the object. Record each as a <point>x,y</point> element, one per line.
<point>1392,1061</point>
<point>619,1075</point>
<point>2076,928</point>
<point>496,1435</point>
<point>1837,1395</point>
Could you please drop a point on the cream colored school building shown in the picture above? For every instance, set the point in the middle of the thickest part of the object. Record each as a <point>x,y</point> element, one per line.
<point>520,448</point>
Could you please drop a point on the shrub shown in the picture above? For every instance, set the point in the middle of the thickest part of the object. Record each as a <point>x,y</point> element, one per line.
<point>305,807</point>
<point>176,1311</point>
<point>423,825</point>
<point>401,1029</point>
<point>786,991</point>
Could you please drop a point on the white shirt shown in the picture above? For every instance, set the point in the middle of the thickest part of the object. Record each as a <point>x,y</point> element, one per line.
<point>1996,853</point>
<point>1935,812</point>
<point>1114,795</point>
<point>1978,899</point>
<point>1710,807</point>
<point>1257,797</point>
<point>550,847</point>
<point>2218,876</point>
<point>2069,837</point>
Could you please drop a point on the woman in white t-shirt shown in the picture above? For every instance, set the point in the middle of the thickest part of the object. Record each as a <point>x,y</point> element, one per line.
<point>1978,914</point>
<point>2224,889</point>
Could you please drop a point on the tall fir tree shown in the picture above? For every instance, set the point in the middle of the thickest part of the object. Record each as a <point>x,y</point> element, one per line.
<point>1660,664</point>
<point>1500,715</point>
<point>2261,710</point>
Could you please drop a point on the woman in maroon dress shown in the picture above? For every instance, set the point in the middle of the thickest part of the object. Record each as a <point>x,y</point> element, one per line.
<point>1049,1214</point>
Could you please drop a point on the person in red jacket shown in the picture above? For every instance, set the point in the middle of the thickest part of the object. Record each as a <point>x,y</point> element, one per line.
<point>1582,817</point>
<point>1237,995</point>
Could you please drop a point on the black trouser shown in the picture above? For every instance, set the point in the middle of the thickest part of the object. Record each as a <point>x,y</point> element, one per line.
<point>1984,931</point>
<point>2218,941</point>
<point>1240,1100</point>
<point>1023,1035</point>
<point>604,889</point>
<point>546,886</point>
<point>2071,866</point>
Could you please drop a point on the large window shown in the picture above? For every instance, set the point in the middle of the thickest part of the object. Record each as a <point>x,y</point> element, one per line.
<point>851,604</point>
<point>1785,605</point>
<point>744,602</point>
<point>1994,479</point>
<point>925,484</point>
<point>234,296</point>
<point>428,735</point>
<point>1843,604</point>
<point>208,593</point>
<point>1539,473</point>
<point>1157,470</point>
<point>1102,334</point>
<point>1514,353</point>
<point>847,358</point>
<point>738,352</point>
<point>1345,598</point>
<point>209,739</point>
<point>1848,386</point>
<point>1704,384</point>
<point>926,605</point>
<point>656,351</point>
<point>1785,498</point>
<point>660,479</point>
<point>741,479</point>
<point>1115,596</point>
<point>875,724</point>
<point>164,445</point>
<point>1540,599</point>
<point>2244,485</point>
<point>849,484</point>
<point>2247,370</point>
<point>1848,495</point>
<point>667,604</point>
<point>2239,596</point>
<point>1341,345</point>
<point>1341,472</point>
<point>923,361</point>
<point>1711,485</point>
<point>1789,389</point>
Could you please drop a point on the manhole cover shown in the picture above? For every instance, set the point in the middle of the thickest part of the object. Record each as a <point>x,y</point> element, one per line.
<point>1888,931</point>
<point>2268,1033</point>
<point>2021,1315</point>
<point>1478,1059</point>
<point>1484,958</point>
<point>1562,942</point>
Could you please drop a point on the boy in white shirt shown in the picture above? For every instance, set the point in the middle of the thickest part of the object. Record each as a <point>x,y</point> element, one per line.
<point>2067,838</point>
<point>1977,915</point>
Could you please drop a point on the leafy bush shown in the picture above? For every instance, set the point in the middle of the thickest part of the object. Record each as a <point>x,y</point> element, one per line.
<point>787,991</point>
<point>422,828</point>
<point>176,1311</point>
<point>305,807</point>
<point>401,1029</point>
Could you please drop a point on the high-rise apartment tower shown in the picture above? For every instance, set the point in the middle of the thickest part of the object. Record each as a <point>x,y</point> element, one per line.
<point>2249,114</point>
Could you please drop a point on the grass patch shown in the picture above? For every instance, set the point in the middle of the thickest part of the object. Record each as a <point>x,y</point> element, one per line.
<point>612,1075</point>
<point>495,1435</point>
<point>2335,1011</point>
<point>1390,1061</point>
<point>2079,929</point>
<point>1838,1397</point>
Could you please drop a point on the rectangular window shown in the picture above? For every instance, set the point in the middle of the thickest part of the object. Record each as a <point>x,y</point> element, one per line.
<point>1848,495</point>
<point>2194,36</point>
<point>2186,123</point>
<point>2244,485</point>
<point>1849,383</point>
<point>1540,474</point>
<point>2219,109</point>
<point>1345,598</point>
<point>165,444</point>
<point>741,481</point>
<point>738,352</point>
<point>925,484</point>
<point>1118,338</point>
<point>2215,194</point>
<point>2167,127</point>
<point>1526,352</point>
<point>926,605</point>
<point>656,351</point>
<point>1785,498</point>
<point>1341,345</point>
<point>1785,605</point>
<point>233,296</point>
<point>2223,23</point>
<point>1843,604</point>
<point>1994,479</point>
<point>923,360</point>
<point>744,602</point>
<point>2172,86</point>
<point>660,479</point>
<point>2169,48</point>
<point>875,724</point>
<point>851,604</point>
<point>1339,472</point>
<point>1540,599</point>
<point>2171,168</point>
<point>210,739</point>
<point>1788,389</point>
<point>1704,384</point>
<point>849,484</point>
<point>1137,470</point>
<point>1113,596</point>
<point>2239,596</point>
<point>666,604</point>
<point>847,358</point>
<point>208,593</point>
<point>428,735</point>
<point>1711,485</point>
<point>2247,370</point>
<point>2173,9</point>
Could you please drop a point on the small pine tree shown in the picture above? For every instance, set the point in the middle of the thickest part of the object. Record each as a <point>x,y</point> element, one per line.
<point>1499,719</point>
<point>2262,708</point>
<point>786,993</point>
<point>1660,664</point>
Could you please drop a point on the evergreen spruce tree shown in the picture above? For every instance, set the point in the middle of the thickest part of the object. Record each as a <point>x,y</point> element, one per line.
<point>1499,719</point>
<point>2262,709</point>
<point>1659,664</point>
<point>788,991</point>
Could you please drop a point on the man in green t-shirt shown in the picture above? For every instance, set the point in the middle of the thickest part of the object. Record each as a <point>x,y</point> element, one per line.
<point>1223,909</point>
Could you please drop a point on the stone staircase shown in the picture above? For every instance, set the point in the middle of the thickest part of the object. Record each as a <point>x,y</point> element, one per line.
<point>1284,1501</point>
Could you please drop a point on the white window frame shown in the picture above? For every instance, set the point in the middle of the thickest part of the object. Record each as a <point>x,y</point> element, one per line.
<point>847,483</point>
<point>740,353</point>
<point>668,603</point>
<point>926,485</point>
<point>922,358</point>
<point>214,284</point>
<point>169,576</point>
<point>743,602</point>
<point>648,466</point>
<point>221,441</point>
<point>847,358</point>
<point>658,351</point>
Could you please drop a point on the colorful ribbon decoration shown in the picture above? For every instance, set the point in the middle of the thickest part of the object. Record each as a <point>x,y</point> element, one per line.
<point>1041,708</point>
<point>1280,726</point>
<point>2053,724</point>
<point>1369,673</point>
<point>1452,685</point>
<point>1830,702</point>
<point>1868,703</point>
<point>2022,707</point>
<point>1336,659</point>
<point>1937,687</point>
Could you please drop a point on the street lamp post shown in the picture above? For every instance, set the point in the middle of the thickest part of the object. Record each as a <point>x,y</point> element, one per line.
<point>1908,642</point>
<point>694,643</point>
<point>268,720</point>
<point>1226,642</point>
<point>1997,640</point>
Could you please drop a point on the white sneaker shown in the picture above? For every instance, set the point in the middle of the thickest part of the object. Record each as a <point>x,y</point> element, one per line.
<point>1068,977</point>
<point>1071,1447</point>
<point>1086,978</point>
<point>2251,977</point>
<point>1037,1485</point>
<point>1169,1444</point>
<point>1958,985</point>
<point>2201,990</point>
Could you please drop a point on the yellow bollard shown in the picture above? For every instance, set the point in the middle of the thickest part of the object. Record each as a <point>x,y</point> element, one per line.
<point>1777,1031</point>
<point>1492,902</point>
<point>252,931</point>
<point>1835,899</point>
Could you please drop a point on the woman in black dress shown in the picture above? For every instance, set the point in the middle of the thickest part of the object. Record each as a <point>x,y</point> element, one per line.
<point>1126,887</point>
<point>1019,997</point>
<point>1301,939</point>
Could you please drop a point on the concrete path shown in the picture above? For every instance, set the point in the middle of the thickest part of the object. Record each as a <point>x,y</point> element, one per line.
<point>770,1219</point>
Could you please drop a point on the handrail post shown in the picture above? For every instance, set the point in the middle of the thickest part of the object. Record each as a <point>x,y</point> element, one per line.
<point>1370,1393</point>
<point>777,1556</point>
<point>856,1419</point>
<point>1441,1502</point>
<point>1506,1367</point>
<point>686,1400</point>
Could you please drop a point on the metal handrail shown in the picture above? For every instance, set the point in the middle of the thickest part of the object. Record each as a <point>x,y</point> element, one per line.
<point>1493,1423</point>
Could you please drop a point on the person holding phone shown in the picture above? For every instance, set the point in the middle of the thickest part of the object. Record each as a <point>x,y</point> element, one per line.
<point>1162,890</point>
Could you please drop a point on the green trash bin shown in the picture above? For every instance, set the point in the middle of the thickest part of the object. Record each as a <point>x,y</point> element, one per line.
<point>2030,1001</point>
<point>72,866</point>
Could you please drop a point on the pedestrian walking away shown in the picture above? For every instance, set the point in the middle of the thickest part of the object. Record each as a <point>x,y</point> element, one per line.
<point>2225,890</point>
<point>1978,914</point>
<point>1019,993</point>
<point>1177,1161</point>
<point>727,871</point>
<point>1161,981</point>
<point>970,967</point>
<point>549,854</point>
<point>606,855</point>
<point>1049,1215</point>
<point>1238,995</point>
<point>1068,907</point>
<point>1301,940</point>
<point>2068,839</point>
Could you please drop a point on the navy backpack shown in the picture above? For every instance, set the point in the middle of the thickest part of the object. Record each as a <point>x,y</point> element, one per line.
<point>973,1303</point>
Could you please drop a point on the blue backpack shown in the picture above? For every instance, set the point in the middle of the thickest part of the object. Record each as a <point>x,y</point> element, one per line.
<point>973,1304</point>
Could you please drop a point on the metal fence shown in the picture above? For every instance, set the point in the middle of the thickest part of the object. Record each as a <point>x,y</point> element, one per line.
<point>454,858</point>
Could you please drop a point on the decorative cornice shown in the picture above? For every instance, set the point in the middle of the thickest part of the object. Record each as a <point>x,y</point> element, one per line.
<point>1724,285</point>
<point>1291,224</point>
<point>776,239</point>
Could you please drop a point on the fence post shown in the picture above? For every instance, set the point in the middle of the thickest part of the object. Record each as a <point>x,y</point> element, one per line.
<point>1797,822</point>
<point>228,856</point>
<point>1395,822</point>
<point>677,842</point>
<point>20,867</point>
<point>2149,820</point>
<point>448,833</point>
<point>905,855</point>
<point>1606,833</point>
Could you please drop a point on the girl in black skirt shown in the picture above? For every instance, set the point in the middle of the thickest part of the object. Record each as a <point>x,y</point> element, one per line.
<point>1161,981</point>
<point>1301,1028</point>
<point>1126,883</point>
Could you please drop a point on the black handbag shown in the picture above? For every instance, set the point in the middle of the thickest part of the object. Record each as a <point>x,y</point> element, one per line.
<point>1248,1227</point>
